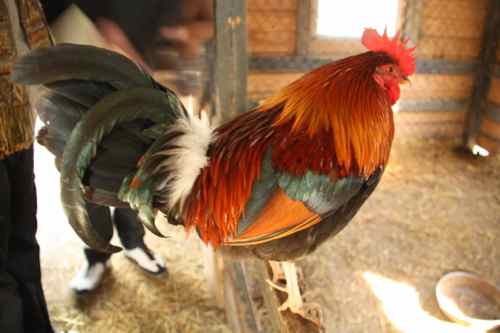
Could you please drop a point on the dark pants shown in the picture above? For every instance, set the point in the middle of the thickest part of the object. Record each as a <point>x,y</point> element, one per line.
<point>129,228</point>
<point>22,302</point>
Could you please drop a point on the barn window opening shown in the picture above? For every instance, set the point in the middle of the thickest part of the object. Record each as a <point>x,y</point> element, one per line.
<point>347,19</point>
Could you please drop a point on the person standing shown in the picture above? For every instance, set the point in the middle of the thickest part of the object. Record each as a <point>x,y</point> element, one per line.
<point>22,302</point>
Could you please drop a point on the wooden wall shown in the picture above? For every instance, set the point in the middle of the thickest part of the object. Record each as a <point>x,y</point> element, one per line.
<point>272,27</point>
<point>449,33</point>
<point>451,29</point>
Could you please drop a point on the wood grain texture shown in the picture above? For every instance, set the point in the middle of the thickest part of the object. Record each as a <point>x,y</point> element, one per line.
<point>231,57</point>
<point>490,127</point>
<point>271,43</point>
<point>429,124</point>
<point>494,93</point>
<point>447,48</point>
<point>427,86</point>
<point>271,27</point>
<point>276,5</point>
<point>259,20</point>
<point>458,9</point>
<point>262,85</point>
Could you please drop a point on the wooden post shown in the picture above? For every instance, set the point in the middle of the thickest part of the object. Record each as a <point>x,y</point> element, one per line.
<point>230,66</point>
<point>240,309</point>
<point>487,58</point>
<point>304,33</point>
<point>231,58</point>
<point>239,280</point>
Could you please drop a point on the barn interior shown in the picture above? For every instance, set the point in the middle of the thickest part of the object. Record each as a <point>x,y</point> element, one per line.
<point>436,210</point>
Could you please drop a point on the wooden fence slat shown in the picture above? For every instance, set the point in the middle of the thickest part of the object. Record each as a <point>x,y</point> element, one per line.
<point>231,59</point>
<point>483,76</point>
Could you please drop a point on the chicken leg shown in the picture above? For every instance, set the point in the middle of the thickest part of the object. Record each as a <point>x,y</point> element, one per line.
<point>288,271</point>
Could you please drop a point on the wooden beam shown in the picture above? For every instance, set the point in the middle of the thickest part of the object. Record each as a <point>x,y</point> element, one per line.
<point>483,75</point>
<point>231,59</point>
<point>240,309</point>
<point>306,63</point>
<point>230,67</point>
<point>303,26</point>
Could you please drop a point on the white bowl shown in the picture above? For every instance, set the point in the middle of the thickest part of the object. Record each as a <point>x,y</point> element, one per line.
<point>470,300</point>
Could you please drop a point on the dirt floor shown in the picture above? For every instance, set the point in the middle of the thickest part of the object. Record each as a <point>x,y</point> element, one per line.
<point>435,211</point>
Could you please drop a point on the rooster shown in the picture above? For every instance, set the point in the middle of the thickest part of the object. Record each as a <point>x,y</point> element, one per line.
<point>275,182</point>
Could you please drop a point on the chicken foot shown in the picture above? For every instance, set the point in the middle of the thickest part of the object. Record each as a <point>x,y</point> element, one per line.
<point>288,271</point>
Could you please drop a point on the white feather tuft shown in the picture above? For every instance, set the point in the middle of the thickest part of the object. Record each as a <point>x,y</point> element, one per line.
<point>188,157</point>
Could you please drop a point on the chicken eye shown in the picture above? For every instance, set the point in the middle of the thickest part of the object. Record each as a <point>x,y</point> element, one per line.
<point>391,69</point>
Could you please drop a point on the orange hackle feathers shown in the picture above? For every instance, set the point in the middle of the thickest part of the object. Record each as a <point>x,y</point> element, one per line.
<point>341,108</point>
<point>393,47</point>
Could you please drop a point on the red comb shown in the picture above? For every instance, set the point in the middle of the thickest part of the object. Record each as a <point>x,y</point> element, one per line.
<point>393,47</point>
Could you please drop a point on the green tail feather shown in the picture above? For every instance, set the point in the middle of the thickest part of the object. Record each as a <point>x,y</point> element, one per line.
<point>79,62</point>
<point>121,106</point>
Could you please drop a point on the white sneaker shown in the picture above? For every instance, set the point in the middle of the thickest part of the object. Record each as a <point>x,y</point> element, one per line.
<point>146,260</point>
<point>88,277</point>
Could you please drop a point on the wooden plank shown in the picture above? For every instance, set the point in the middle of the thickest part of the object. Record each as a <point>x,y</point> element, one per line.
<point>261,85</point>
<point>498,52</point>
<point>303,27</point>
<point>482,79</point>
<point>275,43</point>
<point>450,27</point>
<point>305,63</point>
<point>429,117</point>
<point>271,300</point>
<point>273,5</point>
<point>271,32</point>
<point>428,86</point>
<point>230,79</point>
<point>231,60</point>
<point>239,309</point>
<point>428,124</point>
<point>492,111</point>
<point>434,105</point>
<point>456,9</point>
<point>269,21</point>
<point>494,92</point>
<point>490,127</point>
<point>326,47</point>
<point>430,131</point>
<point>448,48</point>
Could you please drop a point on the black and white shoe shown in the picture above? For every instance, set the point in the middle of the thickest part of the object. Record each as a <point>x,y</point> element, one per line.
<point>88,277</point>
<point>147,260</point>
